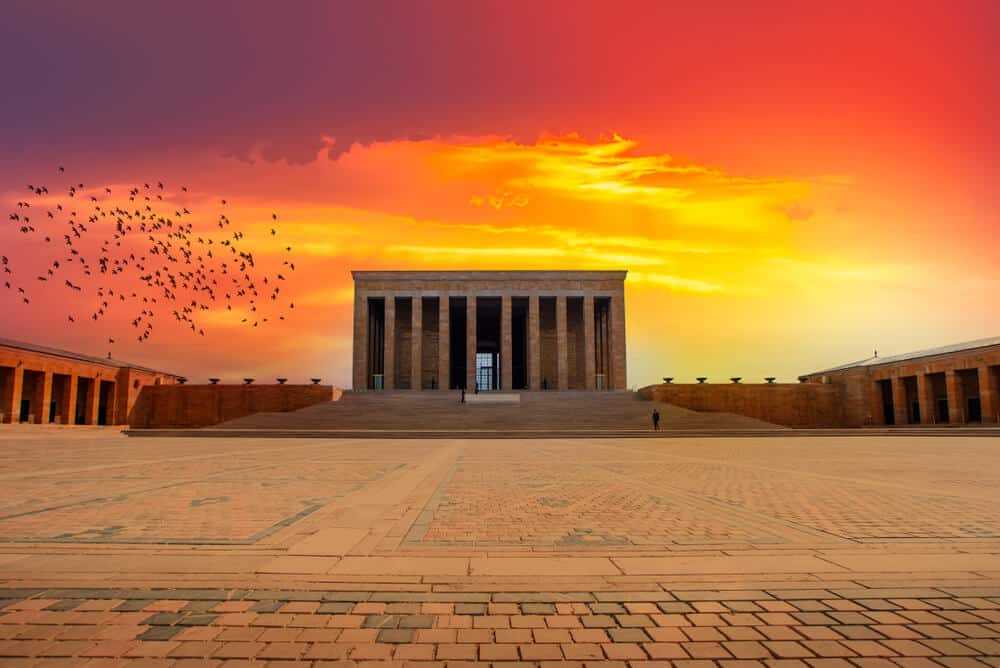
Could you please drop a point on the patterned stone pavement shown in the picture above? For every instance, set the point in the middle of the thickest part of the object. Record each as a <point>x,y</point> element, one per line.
<point>787,552</point>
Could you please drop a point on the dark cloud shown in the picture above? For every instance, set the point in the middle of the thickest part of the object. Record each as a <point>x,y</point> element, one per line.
<point>120,76</point>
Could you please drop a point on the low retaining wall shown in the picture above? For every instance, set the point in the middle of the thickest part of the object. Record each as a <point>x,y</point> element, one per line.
<point>171,406</point>
<point>788,404</point>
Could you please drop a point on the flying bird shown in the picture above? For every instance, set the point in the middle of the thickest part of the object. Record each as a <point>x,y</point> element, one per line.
<point>166,254</point>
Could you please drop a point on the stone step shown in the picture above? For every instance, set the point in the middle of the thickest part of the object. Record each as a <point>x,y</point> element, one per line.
<point>443,411</point>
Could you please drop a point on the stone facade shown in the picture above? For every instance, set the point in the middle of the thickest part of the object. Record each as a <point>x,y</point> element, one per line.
<point>45,385</point>
<point>191,406</point>
<point>503,330</point>
<point>957,384</point>
<point>801,405</point>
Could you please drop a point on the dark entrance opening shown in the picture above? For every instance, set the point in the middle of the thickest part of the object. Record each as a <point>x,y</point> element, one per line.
<point>105,403</point>
<point>6,391</point>
<point>60,399</point>
<point>430,340</point>
<point>602,346</point>
<point>403,344</point>
<point>457,339</point>
<point>888,407</point>
<point>939,397</point>
<point>975,410</point>
<point>942,410</point>
<point>488,311</point>
<point>576,348</point>
<point>548,343</point>
<point>376,344</point>
<point>519,342</point>
<point>912,402</point>
<point>32,396</point>
<point>968,382</point>
<point>84,386</point>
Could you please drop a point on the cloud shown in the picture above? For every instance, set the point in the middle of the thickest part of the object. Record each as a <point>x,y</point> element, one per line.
<point>613,171</point>
<point>676,283</point>
<point>798,212</point>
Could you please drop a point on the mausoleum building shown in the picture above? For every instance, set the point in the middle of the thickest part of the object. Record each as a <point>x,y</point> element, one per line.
<point>489,330</point>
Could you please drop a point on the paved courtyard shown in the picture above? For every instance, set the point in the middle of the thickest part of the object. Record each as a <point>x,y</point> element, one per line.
<point>739,552</point>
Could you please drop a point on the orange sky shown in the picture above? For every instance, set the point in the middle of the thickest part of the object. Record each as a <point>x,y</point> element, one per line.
<point>788,189</point>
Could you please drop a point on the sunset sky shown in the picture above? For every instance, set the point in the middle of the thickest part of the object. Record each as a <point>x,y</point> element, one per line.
<point>789,184</point>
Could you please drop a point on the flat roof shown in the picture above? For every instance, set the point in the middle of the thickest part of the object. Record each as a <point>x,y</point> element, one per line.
<point>504,274</point>
<point>67,354</point>
<point>917,354</point>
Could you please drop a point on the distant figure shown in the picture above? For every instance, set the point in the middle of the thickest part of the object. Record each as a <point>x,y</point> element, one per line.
<point>463,394</point>
<point>434,383</point>
<point>545,383</point>
<point>656,420</point>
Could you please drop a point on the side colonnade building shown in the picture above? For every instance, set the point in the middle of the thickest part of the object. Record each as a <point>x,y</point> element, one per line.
<point>49,386</point>
<point>489,330</point>
<point>954,384</point>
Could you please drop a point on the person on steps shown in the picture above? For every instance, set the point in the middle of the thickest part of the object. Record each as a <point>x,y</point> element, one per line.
<point>656,420</point>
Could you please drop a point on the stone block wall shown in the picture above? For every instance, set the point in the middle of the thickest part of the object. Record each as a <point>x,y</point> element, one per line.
<point>789,404</point>
<point>187,406</point>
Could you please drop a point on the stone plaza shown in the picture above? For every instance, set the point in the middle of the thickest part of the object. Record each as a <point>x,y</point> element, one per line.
<point>820,552</point>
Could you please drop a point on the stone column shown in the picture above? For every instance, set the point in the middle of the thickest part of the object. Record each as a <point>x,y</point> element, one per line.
<point>360,362</point>
<point>10,403</point>
<point>417,343</point>
<point>470,343</point>
<point>589,350</point>
<point>989,394</point>
<point>93,401</point>
<point>506,344</point>
<point>389,363</point>
<point>67,407</point>
<point>618,370</point>
<point>44,401</point>
<point>924,390</point>
<point>534,345</point>
<point>901,413</point>
<point>562,347</point>
<point>444,344</point>
<point>956,408</point>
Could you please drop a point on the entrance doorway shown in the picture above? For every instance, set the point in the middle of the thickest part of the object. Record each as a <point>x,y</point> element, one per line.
<point>975,410</point>
<point>106,403</point>
<point>888,407</point>
<point>487,371</point>
<point>457,340</point>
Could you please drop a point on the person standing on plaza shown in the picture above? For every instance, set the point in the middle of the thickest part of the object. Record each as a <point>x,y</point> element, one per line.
<point>656,420</point>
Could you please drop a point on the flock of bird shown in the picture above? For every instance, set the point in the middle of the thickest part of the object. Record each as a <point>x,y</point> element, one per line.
<point>141,252</point>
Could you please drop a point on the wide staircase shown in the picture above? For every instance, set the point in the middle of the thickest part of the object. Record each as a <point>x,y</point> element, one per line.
<point>443,413</point>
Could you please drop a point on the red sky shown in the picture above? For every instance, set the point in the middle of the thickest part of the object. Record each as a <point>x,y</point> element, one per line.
<point>789,184</point>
